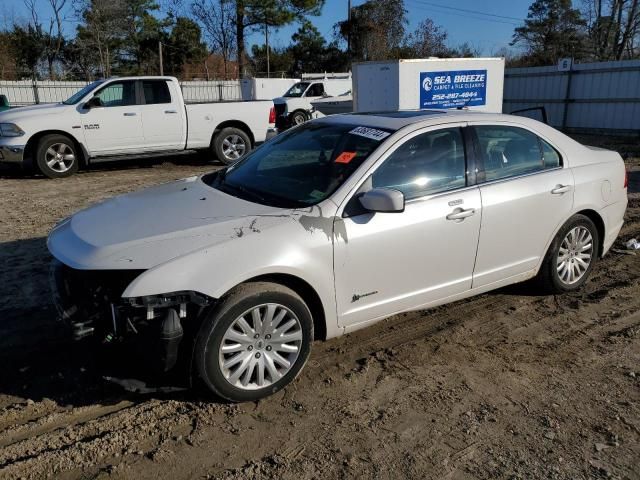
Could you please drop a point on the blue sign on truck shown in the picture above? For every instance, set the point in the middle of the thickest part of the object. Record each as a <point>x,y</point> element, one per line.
<point>462,88</point>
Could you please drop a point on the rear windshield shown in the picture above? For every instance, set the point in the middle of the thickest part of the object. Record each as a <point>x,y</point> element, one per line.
<point>301,167</point>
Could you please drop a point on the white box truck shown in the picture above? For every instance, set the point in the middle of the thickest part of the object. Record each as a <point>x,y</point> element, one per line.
<point>294,107</point>
<point>474,83</point>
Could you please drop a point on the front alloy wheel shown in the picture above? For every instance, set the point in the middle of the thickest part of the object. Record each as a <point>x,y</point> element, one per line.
<point>260,346</point>
<point>56,156</point>
<point>60,157</point>
<point>254,342</point>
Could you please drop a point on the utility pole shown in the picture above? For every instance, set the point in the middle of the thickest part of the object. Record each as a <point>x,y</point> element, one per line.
<point>349,29</point>
<point>266,36</point>
<point>160,56</point>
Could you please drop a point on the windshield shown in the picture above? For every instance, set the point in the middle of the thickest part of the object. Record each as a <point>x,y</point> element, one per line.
<point>297,90</point>
<point>301,167</point>
<point>76,97</point>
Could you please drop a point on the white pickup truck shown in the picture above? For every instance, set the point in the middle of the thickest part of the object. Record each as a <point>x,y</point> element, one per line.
<point>128,117</point>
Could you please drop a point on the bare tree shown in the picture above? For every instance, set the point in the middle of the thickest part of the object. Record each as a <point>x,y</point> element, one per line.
<point>429,40</point>
<point>613,28</point>
<point>55,38</point>
<point>217,18</point>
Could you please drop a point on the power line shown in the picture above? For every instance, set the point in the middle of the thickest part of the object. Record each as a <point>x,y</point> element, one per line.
<point>465,10</point>
<point>465,15</point>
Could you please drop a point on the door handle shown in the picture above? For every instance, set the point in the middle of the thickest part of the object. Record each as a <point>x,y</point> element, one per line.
<point>460,214</point>
<point>560,189</point>
<point>170,111</point>
<point>130,114</point>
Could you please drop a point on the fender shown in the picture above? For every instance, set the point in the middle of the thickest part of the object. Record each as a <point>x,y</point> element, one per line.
<point>302,248</point>
<point>33,141</point>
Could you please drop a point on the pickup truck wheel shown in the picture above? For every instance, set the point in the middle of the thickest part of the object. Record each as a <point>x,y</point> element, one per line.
<point>56,156</point>
<point>571,256</point>
<point>231,144</point>
<point>254,343</point>
<point>298,117</point>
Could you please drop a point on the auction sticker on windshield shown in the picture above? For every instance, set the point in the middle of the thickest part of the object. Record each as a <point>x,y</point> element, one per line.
<point>372,133</point>
<point>460,88</point>
<point>345,157</point>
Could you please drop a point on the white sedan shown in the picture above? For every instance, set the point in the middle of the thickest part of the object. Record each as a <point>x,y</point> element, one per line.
<point>330,227</point>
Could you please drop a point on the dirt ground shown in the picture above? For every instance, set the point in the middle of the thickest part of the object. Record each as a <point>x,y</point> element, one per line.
<point>510,384</point>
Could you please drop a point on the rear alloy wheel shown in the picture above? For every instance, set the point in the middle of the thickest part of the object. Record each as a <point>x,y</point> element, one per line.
<point>571,256</point>
<point>56,156</point>
<point>255,342</point>
<point>575,255</point>
<point>231,145</point>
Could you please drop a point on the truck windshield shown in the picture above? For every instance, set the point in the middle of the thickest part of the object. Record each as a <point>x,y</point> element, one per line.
<point>76,97</point>
<point>297,90</point>
<point>301,167</point>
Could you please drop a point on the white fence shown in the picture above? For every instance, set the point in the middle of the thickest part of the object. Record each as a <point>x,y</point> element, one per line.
<point>597,97</point>
<point>28,92</point>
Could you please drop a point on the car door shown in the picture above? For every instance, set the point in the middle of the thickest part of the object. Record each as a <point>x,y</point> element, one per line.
<point>526,195</point>
<point>115,126</point>
<point>390,262</point>
<point>163,118</point>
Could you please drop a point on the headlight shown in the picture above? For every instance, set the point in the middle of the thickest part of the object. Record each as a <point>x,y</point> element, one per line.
<point>10,130</point>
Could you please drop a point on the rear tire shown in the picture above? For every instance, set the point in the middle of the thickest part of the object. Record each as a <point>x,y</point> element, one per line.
<point>56,156</point>
<point>243,356</point>
<point>571,256</point>
<point>231,145</point>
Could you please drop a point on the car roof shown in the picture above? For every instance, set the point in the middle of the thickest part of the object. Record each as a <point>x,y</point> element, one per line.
<point>395,120</point>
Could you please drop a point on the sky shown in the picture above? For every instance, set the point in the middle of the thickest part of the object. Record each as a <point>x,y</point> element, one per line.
<point>487,30</point>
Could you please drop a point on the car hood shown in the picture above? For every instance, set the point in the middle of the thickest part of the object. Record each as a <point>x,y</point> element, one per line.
<point>15,115</point>
<point>147,228</point>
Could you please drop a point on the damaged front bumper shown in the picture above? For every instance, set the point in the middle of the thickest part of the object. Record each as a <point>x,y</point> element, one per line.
<point>90,303</point>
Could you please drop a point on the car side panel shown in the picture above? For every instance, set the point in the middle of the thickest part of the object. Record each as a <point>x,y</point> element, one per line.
<point>599,186</point>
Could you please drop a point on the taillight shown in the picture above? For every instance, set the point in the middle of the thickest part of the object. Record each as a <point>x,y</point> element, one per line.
<point>272,115</point>
<point>626,178</point>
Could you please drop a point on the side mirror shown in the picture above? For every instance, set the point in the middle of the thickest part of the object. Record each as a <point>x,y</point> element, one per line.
<point>93,103</point>
<point>384,200</point>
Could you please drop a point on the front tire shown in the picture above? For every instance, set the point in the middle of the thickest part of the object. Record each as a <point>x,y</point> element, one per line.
<point>298,117</point>
<point>56,156</point>
<point>231,145</point>
<point>571,256</point>
<point>254,343</point>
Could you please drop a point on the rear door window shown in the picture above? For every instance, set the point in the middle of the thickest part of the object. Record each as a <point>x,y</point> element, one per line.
<point>511,151</point>
<point>156,92</point>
